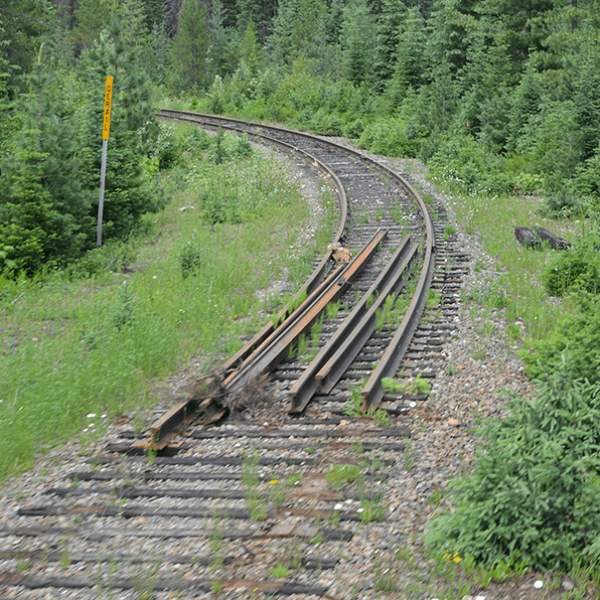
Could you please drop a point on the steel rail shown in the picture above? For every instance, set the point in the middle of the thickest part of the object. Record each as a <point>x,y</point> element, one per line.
<point>274,349</point>
<point>393,355</point>
<point>346,342</point>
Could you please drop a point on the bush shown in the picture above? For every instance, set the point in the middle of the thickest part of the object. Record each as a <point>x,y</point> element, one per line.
<point>190,259</point>
<point>534,493</point>
<point>467,166</point>
<point>578,333</point>
<point>392,137</point>
<point>577,267</point>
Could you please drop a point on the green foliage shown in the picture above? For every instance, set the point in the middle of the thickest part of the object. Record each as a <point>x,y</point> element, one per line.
<point>577,334</point>
<point>340,475</point>
<point>418,386</point>
<point>575,268</point>
<point>191,44</point>
<point>535,488</point>
<point>190,258</point>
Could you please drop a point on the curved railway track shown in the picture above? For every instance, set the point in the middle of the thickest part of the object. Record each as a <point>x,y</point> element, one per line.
<point>251,509</point>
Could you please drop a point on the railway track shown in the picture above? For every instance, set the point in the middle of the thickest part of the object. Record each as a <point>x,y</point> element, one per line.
<point>249,508</point>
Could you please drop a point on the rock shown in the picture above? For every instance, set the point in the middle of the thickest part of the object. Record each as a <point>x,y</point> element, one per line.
<point>567,585</point>
<point>454,422</point>
<point>556,242</point>
<point>527,238</point>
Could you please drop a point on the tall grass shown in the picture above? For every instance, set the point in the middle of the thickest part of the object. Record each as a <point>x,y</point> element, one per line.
<point>494,218</point>
<point>73,347</point>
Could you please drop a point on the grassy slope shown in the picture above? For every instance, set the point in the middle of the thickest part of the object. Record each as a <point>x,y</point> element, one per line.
<point>69,348</point>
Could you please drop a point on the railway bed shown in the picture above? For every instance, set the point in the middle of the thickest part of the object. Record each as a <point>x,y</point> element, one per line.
<point>268,502</point>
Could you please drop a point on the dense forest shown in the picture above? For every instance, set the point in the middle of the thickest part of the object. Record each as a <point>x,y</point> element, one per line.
<point>495,95</point>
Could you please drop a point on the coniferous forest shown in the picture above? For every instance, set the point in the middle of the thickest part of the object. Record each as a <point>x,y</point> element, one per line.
<point>497,97</point>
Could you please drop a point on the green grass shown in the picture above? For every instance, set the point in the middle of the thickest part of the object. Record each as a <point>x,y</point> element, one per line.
<point>71,348</point>
<point>495,219</point>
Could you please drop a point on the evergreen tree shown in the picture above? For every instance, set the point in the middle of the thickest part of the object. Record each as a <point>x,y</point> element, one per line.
<point>358,33</point>
<point>250,51</point>
<point>191,44</point>
<point>526,105</point>
<point>45,210</point>
<point>261,12</point>
<point>410,63</point>
<point>586,94</point>
<point>91,16</point>
<point>388,32</point>
<point>300,30</point>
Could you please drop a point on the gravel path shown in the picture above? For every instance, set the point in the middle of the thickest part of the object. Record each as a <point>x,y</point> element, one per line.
<point>385,559</point>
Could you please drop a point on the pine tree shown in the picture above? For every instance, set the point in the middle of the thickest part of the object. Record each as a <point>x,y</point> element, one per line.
<point>191,44</point>
<point>388,33</point>
<point>300,30</point>
<point>91,16</point>
<point>357,35</point>
<point>250,51</point>
<point>410,63</point>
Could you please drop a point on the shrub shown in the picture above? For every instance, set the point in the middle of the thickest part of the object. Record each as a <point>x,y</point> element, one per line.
<point>535,490</point>
<point>190,259</point>
<point>579,333</point>
<point>577,267</point>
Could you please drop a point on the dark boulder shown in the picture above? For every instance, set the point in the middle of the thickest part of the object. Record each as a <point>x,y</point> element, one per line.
<point>527,238</point>
<point>557,243</point>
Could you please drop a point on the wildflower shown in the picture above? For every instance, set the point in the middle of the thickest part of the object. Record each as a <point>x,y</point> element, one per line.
<point>274,481</point>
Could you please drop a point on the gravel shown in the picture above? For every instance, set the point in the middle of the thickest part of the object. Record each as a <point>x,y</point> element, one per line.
<point>442,446</point>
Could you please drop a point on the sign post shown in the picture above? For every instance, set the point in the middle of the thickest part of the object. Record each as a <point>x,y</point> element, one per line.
<point>105,136</point>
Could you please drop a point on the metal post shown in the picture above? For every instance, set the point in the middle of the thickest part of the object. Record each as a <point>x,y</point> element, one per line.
<point>105,135</point>
<point>101,202</point>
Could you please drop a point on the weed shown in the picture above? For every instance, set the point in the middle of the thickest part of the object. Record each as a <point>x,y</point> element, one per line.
<point>433,299</point>
<point>435,498</point>
<point>396,212</point>
<point>372,511</point>
<point>151,453</point>
<point>332,309</point>
<point>302,345</point>
<point>379,213</point>
<point>278,492</point>
<point>427,199</point>
<point>418,386</point>
<point>310,450</point>
<point>513,333</point>
<point>217,586</point>
<point>451,368</point>
<point>280,571</point>
<point>23,565</point>
<point>362,216</point>
<point>217,548</point>
<point>64,560</point>
<point>479,351</point>
<point>125,308</point>
<point>353,408</point>
<point>145,579</point>
<point>341,475</point>
<point>385,578</point>
<point>250,479</point>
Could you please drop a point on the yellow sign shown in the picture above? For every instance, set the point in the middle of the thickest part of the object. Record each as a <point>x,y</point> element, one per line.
<point>107,107</point>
